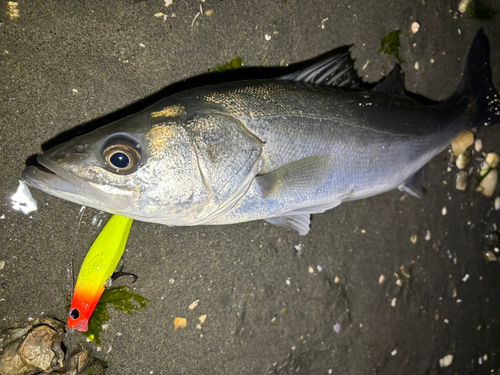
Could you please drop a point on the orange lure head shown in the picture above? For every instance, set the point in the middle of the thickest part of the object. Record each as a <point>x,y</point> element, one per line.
<point>82,307</point>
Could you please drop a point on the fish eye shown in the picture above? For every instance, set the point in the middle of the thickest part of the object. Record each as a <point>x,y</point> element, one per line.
<point>122,156</point>
<point>119,160</point>
<point>75,314</point>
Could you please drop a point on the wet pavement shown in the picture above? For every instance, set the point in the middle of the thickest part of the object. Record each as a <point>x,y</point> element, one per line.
<point>354,296</point>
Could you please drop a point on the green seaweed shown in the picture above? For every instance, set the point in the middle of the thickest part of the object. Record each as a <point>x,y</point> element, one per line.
<point>235,63</point>
<point>121,299</point>
<point>482,12</point>
<point>389,44</point>
<point>265,59</point>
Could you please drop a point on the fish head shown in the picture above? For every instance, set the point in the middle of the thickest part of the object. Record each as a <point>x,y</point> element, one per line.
<point>166,164</point>
<point>140,167</point>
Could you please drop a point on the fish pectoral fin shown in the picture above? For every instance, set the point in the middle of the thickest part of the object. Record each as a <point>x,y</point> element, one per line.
<point>298,177</point>
<point>298,222</point>
<point>394,83</point>
<point>336,71</point>
<point>414,185</point>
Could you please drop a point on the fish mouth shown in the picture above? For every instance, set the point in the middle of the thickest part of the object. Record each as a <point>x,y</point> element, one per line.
<point>54,180</point>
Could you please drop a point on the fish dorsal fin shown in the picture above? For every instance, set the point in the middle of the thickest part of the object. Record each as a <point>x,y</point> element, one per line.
<point>414,185</point>
<point>300,223</point>
<point>394,83</point>
<point>336,71</point>
<point>297,177</point>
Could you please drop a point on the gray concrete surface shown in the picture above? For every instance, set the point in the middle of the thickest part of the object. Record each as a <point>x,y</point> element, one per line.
<point>65,63</point>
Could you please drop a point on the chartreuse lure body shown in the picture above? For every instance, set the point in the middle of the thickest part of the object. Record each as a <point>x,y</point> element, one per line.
<point>97,268</point>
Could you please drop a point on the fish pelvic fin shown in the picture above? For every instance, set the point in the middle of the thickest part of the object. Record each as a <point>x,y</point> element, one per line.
<point>483,108</point>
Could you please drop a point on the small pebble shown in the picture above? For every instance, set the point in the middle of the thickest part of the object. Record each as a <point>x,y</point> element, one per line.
<point>490,256</point>
<point>461,180</point>
<point>415,26</point>
<point>194,304</point>
<point>336,281</point>
<point>416,66</point>
<point>381,279</point>
<point>394,352</point>
<point>446,360</point>
<point>209,12</point>
<point>488,183</point>
<point>463,159</point>
<point>267,37</point>
<point>428,235</point>
<point>497,203</point>
<point>462,142</point>
<point>444,211</point>
<point>492,159</point>
<point>465,278</point>
<point>413,239</point>
<point>478,145</point>
<point>336,327</point>
<point>393,302</point>
<point>311,270</point>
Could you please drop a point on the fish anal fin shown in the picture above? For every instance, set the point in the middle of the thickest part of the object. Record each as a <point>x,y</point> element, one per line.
<point>414,185</point>
<point>298,177</point>
<point>299,219</point>
<point>300,223</point>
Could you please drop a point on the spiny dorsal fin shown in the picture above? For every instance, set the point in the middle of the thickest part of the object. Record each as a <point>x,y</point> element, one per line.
<point>394,83</point>
<point>336,71</point>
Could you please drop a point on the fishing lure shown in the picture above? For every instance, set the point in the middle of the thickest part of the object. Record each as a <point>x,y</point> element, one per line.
<point>96,271</point>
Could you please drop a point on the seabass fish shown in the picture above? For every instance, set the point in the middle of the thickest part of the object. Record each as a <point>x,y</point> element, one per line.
<point>276,149</point>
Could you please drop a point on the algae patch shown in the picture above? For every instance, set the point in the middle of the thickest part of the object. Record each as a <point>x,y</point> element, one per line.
<point>121,299</point>
<point>235,63</point>
<point>481,12</point>
<point>389,44</point>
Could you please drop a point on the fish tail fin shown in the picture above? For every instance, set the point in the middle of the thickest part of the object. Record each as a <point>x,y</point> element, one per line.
<point>483,106</point>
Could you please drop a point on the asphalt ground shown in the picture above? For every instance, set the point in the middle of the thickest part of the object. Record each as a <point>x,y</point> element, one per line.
<point>276,302</point>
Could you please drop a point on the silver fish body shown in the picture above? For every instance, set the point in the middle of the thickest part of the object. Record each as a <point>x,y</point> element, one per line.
<point>278,149</point>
